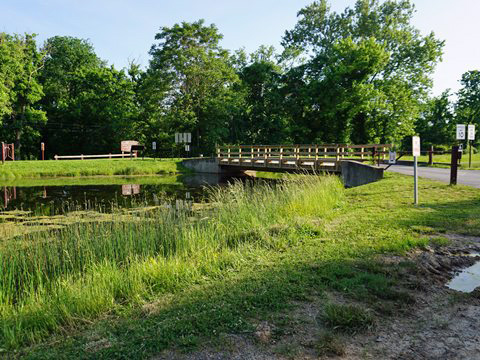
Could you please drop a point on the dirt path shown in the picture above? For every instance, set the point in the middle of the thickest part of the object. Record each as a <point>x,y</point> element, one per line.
<point>439,324</point>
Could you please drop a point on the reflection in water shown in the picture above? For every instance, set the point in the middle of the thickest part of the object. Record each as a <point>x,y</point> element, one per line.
<point>47,200</point>
<point>9,194</point>
<point>130,189</point>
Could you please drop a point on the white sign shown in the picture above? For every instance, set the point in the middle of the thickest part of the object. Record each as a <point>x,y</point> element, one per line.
<point>187,147</point>
<point>183,138</point>
<point>460,132</point>
<point>154,145</point>
<point>416,146</point>
<point>471,132</point>
<point>393,157</point>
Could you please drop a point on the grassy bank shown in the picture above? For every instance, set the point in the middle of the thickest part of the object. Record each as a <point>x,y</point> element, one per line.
<point>167,179</point>
<point>51,168</point>
<point>252,259</point>
<point>51,280</point>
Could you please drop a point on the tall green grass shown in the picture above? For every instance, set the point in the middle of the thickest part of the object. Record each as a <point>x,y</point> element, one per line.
<point>62,278</point>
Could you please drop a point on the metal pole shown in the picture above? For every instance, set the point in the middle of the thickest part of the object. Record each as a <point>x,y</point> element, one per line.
<point>415,176</point>
<point>470,155</point>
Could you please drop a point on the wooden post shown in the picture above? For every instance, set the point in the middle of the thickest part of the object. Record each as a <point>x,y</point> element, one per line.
<point>239,155</point>
<point>13,152</point>
<point>281,157</point>
<point>430,156</point>
<point>3,153</point>
<point>337,157</point>
<point>454,166</point>
<point>81,157</point>
<point>218,152</point>
<point>42,147</point>
<point>361,153</point>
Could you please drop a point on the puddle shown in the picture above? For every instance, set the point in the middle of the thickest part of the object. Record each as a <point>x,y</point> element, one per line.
<point>467,280</point>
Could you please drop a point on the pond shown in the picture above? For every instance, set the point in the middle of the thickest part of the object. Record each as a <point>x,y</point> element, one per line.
<point>52,197</point>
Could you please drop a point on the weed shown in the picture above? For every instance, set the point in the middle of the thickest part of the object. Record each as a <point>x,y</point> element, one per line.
<point>329,344</point>
<point>346,318</point>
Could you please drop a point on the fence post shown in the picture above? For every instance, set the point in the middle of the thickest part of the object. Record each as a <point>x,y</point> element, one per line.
<point>454,166</point>
<point>3,153</point>
<point>430,156</point>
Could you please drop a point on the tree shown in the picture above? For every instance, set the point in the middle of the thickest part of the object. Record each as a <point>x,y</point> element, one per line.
<point>436,125</point>
<point>362,75</point>
<point>195,79</point>
<point>264,120</point>
<point>20,91</point>
<point>67,60</point>
<point>467,108</point>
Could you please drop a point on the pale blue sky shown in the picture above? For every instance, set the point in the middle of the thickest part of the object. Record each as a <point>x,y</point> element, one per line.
<point>123,30</point>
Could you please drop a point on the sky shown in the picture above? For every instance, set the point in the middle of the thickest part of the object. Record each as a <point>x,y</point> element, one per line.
<point>123,30</point>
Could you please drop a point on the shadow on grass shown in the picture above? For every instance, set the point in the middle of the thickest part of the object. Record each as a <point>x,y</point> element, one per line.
<point>228,306</point>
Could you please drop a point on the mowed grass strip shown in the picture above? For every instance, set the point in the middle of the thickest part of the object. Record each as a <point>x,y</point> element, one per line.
<point>56,168</point>
<point>329,250</point>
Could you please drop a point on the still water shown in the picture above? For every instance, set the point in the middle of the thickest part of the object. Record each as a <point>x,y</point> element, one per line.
<point>49,198</point>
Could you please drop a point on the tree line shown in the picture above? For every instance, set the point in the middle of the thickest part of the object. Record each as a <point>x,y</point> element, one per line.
<point>359,76</point>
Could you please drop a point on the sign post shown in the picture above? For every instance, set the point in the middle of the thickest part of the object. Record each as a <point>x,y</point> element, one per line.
<point>154,148</point>
<point>471,137</point>
<point>416,154</point>
<point>184,138</point>
<point>42,147</point>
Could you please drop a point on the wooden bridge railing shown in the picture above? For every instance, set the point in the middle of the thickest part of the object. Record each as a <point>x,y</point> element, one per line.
<point>318,157</point>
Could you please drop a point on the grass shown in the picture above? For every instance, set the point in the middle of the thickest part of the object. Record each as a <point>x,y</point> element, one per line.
<point>346,318</point>
<point>143,291</point>
<point>68,168</point>
<point>87,269</point>
<point>444,160</point>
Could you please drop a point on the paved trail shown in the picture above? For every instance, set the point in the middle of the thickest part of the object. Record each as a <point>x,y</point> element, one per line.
<point>465,177</point>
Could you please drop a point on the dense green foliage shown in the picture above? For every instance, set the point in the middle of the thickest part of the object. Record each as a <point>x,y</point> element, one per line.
<point>359,76</point>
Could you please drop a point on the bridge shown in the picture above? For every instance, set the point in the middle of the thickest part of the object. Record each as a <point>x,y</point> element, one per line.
<point>318,158</point>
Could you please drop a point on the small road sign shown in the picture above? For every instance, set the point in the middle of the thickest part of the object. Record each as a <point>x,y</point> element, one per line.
<point>393,157</point>
<point>416,146</point>
<point>461,132</point>
<point>471,132</point>
<point>154,145</point>
<point>183,138</point>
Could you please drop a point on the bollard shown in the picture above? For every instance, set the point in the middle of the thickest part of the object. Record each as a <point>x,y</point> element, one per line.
<point>454,166</point>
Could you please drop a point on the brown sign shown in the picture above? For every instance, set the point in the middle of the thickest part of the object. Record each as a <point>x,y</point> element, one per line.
<point>126,145</point>
<point>130,189</point>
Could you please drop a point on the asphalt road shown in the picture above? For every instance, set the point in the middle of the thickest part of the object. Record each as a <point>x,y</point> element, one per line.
<point>465,177</point>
